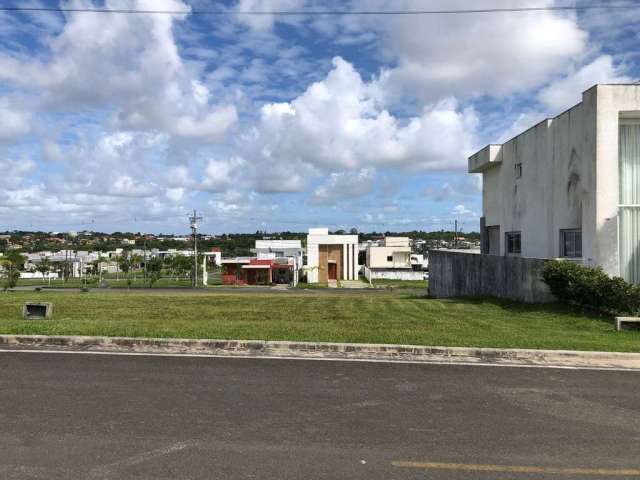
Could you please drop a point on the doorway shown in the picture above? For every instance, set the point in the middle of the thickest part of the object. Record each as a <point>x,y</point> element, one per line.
<point>333,271</point>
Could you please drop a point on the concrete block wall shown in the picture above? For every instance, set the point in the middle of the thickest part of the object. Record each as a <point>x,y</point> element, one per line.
<point>396,274</point>
<point>461,274</point>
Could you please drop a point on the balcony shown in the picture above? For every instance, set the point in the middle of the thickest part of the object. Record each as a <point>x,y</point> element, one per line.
<point>486,158</point>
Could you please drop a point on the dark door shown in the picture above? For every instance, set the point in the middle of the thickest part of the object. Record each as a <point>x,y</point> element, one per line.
<point>333,271</point>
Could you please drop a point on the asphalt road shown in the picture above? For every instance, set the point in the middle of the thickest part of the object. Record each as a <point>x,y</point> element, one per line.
<point>79,416</point>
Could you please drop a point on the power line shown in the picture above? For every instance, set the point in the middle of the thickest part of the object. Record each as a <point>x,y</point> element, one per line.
<point>325,12</point>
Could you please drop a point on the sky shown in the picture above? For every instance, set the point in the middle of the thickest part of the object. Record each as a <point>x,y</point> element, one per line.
<point>127,122</point>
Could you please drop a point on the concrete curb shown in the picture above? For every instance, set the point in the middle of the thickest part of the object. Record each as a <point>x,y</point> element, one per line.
<point>324,350</point>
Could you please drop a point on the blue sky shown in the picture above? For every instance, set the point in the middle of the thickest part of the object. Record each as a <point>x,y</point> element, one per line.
<point>127,122</point>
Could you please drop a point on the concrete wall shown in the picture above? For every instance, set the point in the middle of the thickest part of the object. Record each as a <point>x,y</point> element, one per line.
<point>395,274</point>
<point>457,274</point>
<point>569,178</point>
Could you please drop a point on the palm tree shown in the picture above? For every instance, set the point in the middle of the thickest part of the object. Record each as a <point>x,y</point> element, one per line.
<point>136,260</point>
<point>44,267</point>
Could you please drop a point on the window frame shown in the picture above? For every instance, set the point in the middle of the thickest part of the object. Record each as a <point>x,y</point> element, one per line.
<point>507,242</point>
<point>563,251</point>
<point>518,170</point>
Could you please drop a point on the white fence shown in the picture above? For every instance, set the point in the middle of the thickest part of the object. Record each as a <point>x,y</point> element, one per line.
<point>392,274</point>
<point>39,275</point>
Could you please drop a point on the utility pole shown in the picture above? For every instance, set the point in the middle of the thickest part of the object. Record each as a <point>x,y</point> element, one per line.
<point>145,259</point>
<point>455,234</point>
<point>194,219</point>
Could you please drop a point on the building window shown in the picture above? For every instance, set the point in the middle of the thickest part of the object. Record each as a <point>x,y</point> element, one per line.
<point>279,254</point>
<point>518,170</point>
<point>390,258</point>
<point>513,241</point>
<point>571,243</point>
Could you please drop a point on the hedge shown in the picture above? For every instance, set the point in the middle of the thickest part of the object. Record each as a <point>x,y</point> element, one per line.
<point>592,288</point>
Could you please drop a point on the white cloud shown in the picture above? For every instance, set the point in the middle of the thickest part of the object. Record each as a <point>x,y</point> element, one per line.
<point>13,173</point>
<point>264,22</point>
<point>126,186</point>
<point>462,211</point>
<point>128,63</point>
<point>221,175</point>
<point>175,194</point>
<point>473,55</point>
<point>337,124</point>
<point>345,185</point>
<point>567,91</point>
<point>13,122</point>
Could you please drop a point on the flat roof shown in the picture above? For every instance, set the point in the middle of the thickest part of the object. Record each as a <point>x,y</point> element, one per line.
<point>546,119</point>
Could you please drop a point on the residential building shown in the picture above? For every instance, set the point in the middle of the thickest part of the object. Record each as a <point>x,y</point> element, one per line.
<point>331,258</point>
<point>569,186</point>
<point>254,271</point>
<point>392,260</point>
<point>288,252</point>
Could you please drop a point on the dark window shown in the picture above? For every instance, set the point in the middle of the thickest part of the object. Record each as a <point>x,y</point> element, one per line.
<point>279,254</point>
<point>571,243</point>
<point>513,241</point>
<point>518,170</point>
<point>390,258</point>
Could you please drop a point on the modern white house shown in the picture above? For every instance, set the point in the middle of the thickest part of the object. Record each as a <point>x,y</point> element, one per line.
<point>283,251</point>
<point>392,259</point>
<point>569,187</point>
<point>331,258</point>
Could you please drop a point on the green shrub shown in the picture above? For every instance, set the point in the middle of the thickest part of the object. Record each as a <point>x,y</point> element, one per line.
<point>591,287</point>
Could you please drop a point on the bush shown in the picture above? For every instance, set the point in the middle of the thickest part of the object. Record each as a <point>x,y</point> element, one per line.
<point>592,288</point>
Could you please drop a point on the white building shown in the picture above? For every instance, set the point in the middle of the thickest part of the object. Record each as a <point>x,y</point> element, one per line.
<point>279,250</point>
<point>569,186</point>
<point>392,260</point>
<point>331,257</point>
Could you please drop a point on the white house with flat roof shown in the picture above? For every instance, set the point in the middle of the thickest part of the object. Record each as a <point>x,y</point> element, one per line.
<point>391,259</point>
<point>569,187</point>
<point>331,257</point>
<point>279,250</point>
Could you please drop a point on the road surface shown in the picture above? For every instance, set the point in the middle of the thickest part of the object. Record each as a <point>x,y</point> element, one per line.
<point>83,416</point>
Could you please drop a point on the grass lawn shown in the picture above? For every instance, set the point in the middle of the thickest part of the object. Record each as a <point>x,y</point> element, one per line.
<point>137,282</point>
<point>377,317</point>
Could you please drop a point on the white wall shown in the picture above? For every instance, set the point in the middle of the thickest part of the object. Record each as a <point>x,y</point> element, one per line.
<point>397,275</point>
<point>377,257</point>
<point>569,179</point>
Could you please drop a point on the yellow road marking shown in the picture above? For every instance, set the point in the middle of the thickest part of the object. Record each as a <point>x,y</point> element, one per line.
<point>630,472</point>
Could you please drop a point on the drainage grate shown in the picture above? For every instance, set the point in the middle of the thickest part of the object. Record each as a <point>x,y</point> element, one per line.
<point>37,310</point>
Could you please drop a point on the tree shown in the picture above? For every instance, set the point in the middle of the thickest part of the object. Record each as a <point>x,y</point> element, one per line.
<point>154,270</point>
<point>44,266</point>
<point>180,265</point>
<point>136,261</point>
<point>11,265</point>
<point>124,263</point>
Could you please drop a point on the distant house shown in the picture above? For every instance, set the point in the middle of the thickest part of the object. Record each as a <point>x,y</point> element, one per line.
<point>392,260</point>
<point>253,271</point>
<point>282,252</point>
<point>331,258</point>
<point>569,187</point>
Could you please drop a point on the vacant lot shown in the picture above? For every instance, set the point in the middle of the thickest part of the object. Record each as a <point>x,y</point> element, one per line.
<point>377,317</point>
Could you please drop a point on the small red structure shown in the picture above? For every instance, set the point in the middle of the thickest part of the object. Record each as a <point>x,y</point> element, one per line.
<point>251,271</point>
